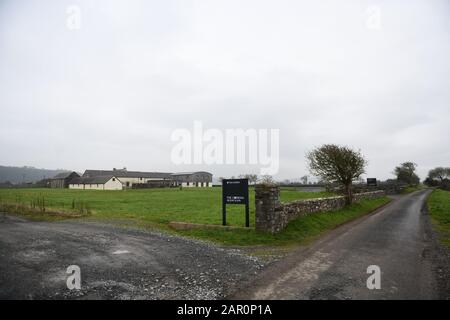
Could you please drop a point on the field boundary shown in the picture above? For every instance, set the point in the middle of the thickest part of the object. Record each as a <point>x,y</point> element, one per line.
<point>179,225</point>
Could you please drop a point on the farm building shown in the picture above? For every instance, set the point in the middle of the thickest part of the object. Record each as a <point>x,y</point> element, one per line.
<point>193,179</point>
<point>62,180</point>
<point>129,178</point>
<point>140,179</point>
<point>96,183</point>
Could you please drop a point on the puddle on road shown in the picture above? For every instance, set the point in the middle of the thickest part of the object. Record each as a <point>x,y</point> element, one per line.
<point>121,252</point>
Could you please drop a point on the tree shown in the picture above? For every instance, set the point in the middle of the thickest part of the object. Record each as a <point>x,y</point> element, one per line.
<point>267,179</point>
<point>304,179</point>
<point>439,173</point>
<point>337,164</point>
<point>430,182</point>
<point>252,178</point>
<point>406,173</point>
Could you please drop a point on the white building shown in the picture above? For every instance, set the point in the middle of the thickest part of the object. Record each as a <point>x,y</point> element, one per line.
<point>192,179</point>
<point>128,178</point>
<point>154,179</point>
<point>96,183</point>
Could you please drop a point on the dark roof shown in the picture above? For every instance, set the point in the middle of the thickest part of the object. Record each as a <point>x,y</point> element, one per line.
<point>91,180</point>
<point>126,174</point>
<point>189,173</point>
<point>64,175</point>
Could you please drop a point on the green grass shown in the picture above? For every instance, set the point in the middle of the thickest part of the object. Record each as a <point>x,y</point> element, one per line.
<point>439,208</point>
<point>149,207</point>
<point>157,207</point>
<point>300,231</point>
<point>410,189</point>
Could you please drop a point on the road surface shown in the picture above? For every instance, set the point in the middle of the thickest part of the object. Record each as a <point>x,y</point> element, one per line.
<point>115,263</point>
<point>398,239</point>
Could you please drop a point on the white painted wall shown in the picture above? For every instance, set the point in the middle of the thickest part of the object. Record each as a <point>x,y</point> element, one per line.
<point>111,184</point>
<point>75,186</point>
<point>132,181</point>
<point>192,185</point>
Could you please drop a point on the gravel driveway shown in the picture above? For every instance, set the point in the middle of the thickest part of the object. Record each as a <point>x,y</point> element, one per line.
<point>115,263</point>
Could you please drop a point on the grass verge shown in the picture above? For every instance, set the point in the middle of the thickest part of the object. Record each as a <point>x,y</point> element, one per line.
<point>410,189</point>
<point>439,209</point>
<point>299,231</point>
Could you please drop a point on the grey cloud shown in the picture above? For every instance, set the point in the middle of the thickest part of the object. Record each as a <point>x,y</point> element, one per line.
<point>137,70</point>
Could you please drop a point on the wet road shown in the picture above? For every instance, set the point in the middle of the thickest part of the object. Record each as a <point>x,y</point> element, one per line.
<point>397,239</point>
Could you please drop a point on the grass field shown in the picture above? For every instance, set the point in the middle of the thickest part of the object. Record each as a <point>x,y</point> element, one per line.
<point>157,207</point>
<point>299,231</point>
<point>410,189</point>
<point>149,206</point>
<point>439,208</point>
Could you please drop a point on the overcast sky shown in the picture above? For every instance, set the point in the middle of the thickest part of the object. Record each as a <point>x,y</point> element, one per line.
<point>373,75</point>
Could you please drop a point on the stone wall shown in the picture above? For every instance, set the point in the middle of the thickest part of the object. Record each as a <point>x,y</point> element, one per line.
<point>273,216</point>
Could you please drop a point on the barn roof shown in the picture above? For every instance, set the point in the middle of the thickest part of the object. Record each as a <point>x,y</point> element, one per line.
<point>64,175</point>
<point>92,180</point>
<point>189,173</point>
<point>126,174</point>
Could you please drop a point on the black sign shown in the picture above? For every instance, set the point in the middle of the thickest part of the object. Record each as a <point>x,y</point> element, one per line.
<point>372,182</point>
<point>235,191</point>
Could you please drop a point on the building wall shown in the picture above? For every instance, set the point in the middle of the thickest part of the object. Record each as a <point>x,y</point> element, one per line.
<point>113,185</point>
<point>110,185</point>
<point>64,182</point>
<point>193,184</point>
<point>76,186</point>
<point>57,183</point>
<point>198,179</point>
<point>132,181</point>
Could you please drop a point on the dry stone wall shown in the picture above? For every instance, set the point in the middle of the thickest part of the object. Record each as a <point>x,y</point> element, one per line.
<point>273,216</point>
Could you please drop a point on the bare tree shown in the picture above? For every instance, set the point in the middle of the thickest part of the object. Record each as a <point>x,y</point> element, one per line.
<point>439,173</point>
<point>267,179</point>
<point>337,164</point>
<point>406,172</point>
<point>304,179</point>
<point>252,178</point>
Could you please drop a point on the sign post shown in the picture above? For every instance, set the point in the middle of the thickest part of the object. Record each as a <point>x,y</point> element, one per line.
<point>235,191</point>
<point>372,182</point>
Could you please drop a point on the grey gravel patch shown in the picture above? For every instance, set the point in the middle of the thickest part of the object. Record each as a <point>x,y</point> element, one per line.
<point>34,257</point>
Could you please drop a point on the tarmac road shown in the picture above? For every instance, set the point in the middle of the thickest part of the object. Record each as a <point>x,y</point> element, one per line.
<point>397,238</point>
<point>115,263</point>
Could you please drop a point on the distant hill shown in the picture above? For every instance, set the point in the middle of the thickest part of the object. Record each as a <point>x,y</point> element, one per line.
<point>18,175</point>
